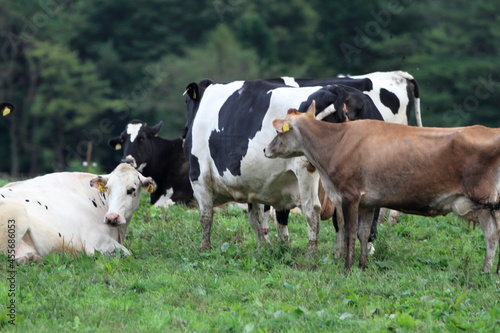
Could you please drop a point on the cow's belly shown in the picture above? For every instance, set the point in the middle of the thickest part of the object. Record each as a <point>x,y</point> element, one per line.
<point>280,191</point>
<point>441,204</point>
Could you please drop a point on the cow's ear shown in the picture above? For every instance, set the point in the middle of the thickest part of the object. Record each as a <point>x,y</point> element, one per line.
<point>99,183</point>
<point>280,125</point>
<point>156,128</point>
<point>148,184</point>
<point>340,96</point>
<point>116,143</point>
<point>193,91</point>
<point>311,111</point>
<point>6,108</point>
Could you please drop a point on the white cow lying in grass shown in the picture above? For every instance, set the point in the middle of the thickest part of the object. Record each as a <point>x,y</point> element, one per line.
<point>69,212</point>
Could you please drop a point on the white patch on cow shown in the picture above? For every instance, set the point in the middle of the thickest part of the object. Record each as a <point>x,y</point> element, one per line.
<point>133,131</point>
<point>290,81</point>
<point>394,82</point>
<point>165,200</point>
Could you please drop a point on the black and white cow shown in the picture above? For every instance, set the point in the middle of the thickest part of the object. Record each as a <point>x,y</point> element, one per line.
<point>158,158</point>
<point>7,108</point>
<point>392,92</point>
<point>228,126</point>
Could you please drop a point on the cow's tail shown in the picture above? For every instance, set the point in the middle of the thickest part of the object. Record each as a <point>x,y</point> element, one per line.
<point>416,95</point>
<point>416,102</point>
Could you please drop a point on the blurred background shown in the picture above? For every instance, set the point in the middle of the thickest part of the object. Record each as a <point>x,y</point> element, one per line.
<point>78,71</point>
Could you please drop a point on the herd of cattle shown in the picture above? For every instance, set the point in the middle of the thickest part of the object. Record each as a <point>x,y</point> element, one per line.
<point>328,165</point>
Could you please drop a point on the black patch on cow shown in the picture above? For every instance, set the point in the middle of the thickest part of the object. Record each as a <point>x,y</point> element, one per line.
<point>94,203</point>
<point>2,196</point>
<point>59,234</point>
<point>390,100</point>
<point>282,216</point>
<point>10,189</point>
<point>47,208</point>
<point>27,200</point>
<point>39,203</point>
<point>194,168</point>
<point>240,118</point>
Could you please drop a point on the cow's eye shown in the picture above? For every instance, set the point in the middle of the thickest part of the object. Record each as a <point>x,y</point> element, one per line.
<point>131,191</point>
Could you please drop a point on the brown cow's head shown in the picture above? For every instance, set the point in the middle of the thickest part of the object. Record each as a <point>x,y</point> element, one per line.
<point>285,144</point>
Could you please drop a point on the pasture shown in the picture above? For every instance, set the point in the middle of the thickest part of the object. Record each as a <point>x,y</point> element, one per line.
<point>425,276</point>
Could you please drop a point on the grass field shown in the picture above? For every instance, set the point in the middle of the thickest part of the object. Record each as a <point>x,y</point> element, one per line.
<point>424,277</point>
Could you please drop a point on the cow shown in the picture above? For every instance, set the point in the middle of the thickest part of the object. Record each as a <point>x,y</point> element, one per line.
<point>393,94</point>
<point>7,108</point>
<point>229,123</point>
<point>69,212</point>
<point>158,158</point>
<point>367,164</point>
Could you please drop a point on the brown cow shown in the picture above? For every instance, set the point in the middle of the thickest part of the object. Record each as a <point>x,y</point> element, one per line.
<point>416,170</point>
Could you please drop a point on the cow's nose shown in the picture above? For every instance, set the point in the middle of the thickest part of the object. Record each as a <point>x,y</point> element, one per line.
<point>112,219</point>
<point>129,160</point>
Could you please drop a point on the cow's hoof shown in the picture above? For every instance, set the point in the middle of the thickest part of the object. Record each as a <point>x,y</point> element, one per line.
<point>29,257</point>
<point>205,248</point>
<point>312,248</point>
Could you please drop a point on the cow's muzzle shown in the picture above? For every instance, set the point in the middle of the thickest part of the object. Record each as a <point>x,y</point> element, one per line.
<point>129,159</point>
<point>112,219</point>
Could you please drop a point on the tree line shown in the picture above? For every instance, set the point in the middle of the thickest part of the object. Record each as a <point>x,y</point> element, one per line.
<point>78,71</point>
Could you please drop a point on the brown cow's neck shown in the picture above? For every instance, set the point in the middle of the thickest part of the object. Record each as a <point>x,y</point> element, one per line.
<point>321,135</point>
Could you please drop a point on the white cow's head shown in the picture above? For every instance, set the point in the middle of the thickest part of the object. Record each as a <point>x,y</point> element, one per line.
<point>122,188</point>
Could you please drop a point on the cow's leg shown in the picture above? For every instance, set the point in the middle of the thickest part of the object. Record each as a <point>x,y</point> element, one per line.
<point>256,218</point>
<point>205,198</point>
<point>282,219</point>
<point>365,223</point>
<point>350,212</point>
<point>108,247</point>
<point>393,217</point>
<point>340,235</point>
<point>339,225</point>
<point>308,180</point>
<point>25,250</point>
<point>490,223</point>
<point>373,232</point>
<point>15,239</point>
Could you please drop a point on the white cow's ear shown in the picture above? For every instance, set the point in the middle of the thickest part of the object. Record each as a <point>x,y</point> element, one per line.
<point>99,183</point>
<point>148,184</point>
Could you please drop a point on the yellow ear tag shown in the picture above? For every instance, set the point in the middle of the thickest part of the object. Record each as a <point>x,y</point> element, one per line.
<point>194,94</point>
<point>118,146</point>
<point>150,188</point>
<point>101,187</point>
<point>6,111</point>
<point>310,115</point>
<point>286,127</point>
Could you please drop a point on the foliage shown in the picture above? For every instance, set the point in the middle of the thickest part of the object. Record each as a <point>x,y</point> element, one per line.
<point>121,60</point>
<point>424,276</point>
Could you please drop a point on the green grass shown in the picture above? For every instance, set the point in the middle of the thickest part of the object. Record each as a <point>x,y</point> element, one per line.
<point>425,277</point>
